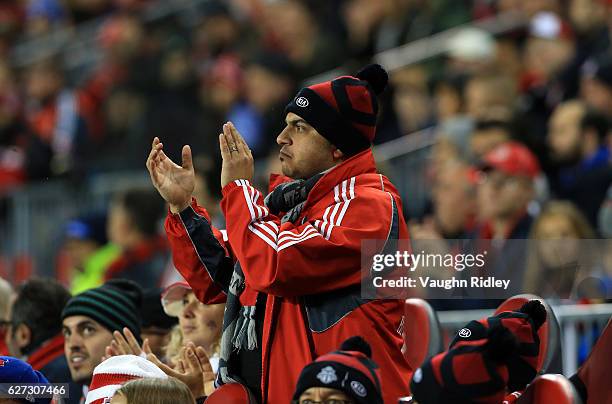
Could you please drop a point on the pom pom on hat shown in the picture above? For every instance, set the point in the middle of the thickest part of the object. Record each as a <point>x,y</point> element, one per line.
<point>376,76</point>
<point>536,312</point>
<point>357,344</point>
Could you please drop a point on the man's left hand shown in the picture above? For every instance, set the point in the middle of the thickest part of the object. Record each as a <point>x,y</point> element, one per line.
<point>237,158</point>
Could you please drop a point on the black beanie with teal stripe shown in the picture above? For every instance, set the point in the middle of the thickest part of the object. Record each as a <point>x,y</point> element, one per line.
<point>114,305</point>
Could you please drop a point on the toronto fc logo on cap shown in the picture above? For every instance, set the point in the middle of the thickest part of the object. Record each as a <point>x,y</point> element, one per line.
<point>301,102</point>
<point>327,375</point>
<point>359,388</point>
<point>3,362</point>
<point>465,333</point>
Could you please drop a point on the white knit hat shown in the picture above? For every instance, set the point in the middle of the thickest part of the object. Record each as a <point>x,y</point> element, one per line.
<point>111,374</point>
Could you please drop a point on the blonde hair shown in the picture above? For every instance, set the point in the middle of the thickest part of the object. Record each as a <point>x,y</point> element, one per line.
<point>156,391</point>
<point>173,348</point>
<point>6,293</point>
<point>568,211</point>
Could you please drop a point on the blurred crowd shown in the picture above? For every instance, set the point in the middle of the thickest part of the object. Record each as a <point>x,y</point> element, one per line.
<point>521,118</point>
<point>241,61</point>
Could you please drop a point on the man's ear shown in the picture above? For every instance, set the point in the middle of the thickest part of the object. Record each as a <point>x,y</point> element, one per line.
<point>22,336</point>
<point>337,154</point>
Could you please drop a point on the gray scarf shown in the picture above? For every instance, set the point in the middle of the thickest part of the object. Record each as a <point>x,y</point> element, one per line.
<point>239,325</point>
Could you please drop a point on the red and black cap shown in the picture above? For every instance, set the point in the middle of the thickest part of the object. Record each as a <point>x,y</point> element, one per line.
<point>524,325</point>
<point>343,110</point>
<point>350,370</point>
<point>475,372</point>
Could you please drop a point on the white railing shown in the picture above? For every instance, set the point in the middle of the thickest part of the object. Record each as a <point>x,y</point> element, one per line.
<point>571,319</point>
<point>429,47</point>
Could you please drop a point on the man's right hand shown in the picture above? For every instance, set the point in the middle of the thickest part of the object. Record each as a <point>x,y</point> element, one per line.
<point>174,183</point>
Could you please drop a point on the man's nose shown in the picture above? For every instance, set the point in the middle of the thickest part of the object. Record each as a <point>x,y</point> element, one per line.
<point>73,342</point>
<point>282,138</point>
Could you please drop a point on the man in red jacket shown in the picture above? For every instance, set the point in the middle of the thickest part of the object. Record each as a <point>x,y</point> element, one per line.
<point>290,264</point>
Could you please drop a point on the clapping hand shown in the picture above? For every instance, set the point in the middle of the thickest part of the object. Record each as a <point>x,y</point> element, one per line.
<point>126,344</point>
<point>237,157</point>
<point>173,182</point>
<point>193,368</point>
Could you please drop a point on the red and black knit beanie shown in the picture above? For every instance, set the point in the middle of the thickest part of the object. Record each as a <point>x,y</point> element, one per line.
<point>343,110</point>
<point>524,324</point>
<point>475,372</point>
<point>349,370</point>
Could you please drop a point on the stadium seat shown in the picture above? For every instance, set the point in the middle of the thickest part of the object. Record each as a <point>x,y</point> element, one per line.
<point>550,337</point>
<point>421,332</point>
<point>592,381</point>
<point>550,388</point>
<point>232,393</point>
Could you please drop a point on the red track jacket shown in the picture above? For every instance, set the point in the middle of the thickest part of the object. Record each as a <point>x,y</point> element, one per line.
<point>310,270</point>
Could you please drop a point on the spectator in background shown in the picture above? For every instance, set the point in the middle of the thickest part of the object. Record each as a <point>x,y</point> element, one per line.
<point>199,323</point>
<point>293,27</point>
<point>362,19</point>
<point>6,299</point>
<point>42,16</point>
<point>454,200</point>
<point>12,132</point>
<point>453,143</point>
<point>220,33</point>
<point>485,91</point>
<point>124,108</point>
<point>221,87</point>
<point>347,375</point>
<point>411,100</point>
<point>88,250</point>
<point>267,85</point>
<point>14,371</point>
<point>85,10</point>
<point>471,51</point>
<point>507,187</point>
<point>491,130</point>
<point>175,112</point>
<point>549,48</point>
<point>604,220</point>
<point>156,324</point>
<point>505,190</point>
<point>448,97</point>
<point>63,122</point>
<point>133,225</point>
<point>558,261</point>
<point>113,372</point>
<point>148,390</point>
<point>577,139</point>
<point>88,322</point>
<point>596,83</point>
<point>588,19</point>
<point>35,327</point>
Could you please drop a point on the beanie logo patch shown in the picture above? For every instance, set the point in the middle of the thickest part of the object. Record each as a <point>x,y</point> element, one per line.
<point>359,388</point>
<point>327,375</point>
<point>465,333</point>
<point>301,102</point>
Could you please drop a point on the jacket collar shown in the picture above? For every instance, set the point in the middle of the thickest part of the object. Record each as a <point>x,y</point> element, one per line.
<point>361,163</point>
<point>47,353</point>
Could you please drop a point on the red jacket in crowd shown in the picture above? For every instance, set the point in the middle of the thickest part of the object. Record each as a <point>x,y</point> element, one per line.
<point>310,271</point>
